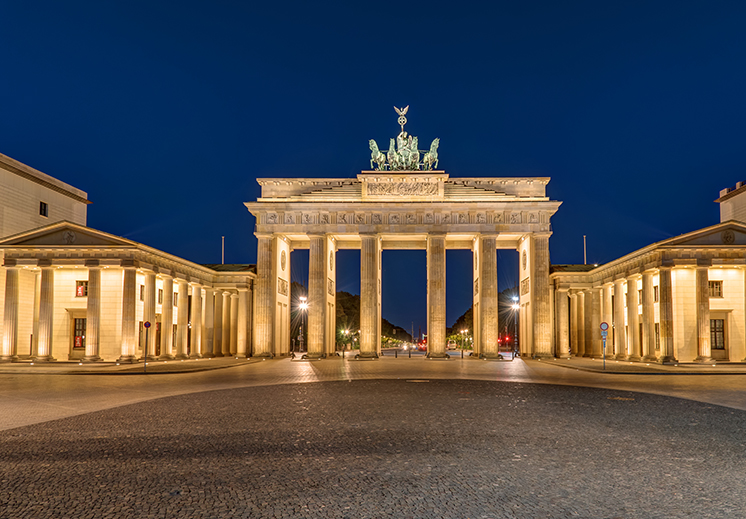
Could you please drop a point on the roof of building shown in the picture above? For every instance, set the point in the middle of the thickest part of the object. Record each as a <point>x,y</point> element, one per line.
<point>571,268</point>
<point>29,173</point>
<point>231,267</point>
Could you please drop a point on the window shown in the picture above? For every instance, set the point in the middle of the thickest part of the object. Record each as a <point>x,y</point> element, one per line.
<point>79,334</point>
<point>657,335</point>
<point>717,333</point>
<point>160,296</point>
<point>656,294</point>
<point>716,288</point>
<point>142,292</point>
<point>81,288</point>
<point>43,209</point>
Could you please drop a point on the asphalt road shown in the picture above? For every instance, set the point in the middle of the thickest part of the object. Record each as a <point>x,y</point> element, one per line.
<point>417,448</point>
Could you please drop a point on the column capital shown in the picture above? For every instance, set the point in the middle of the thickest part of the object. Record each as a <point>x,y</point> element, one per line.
<point>704,263</point>
<point>265,235</point>
<point>635,275</point>
<point>92,263</point>
<point>11,264</point>
<point>44,263</point>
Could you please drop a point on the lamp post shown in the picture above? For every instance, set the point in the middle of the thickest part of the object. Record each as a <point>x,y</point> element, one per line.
<point>516,307</point>
<point>303,306</point>
<point>463,337</point>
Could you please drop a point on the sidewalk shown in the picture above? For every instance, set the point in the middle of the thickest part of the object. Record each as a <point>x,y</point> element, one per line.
<point>115,368</point>
<point>648,368</point>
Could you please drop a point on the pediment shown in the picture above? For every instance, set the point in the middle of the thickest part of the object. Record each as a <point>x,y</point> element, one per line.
<point>65,235</point>
<point>725,234</point>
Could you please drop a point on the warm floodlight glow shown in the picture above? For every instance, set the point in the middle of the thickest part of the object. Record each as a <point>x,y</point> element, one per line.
<point>516,307</point>
<point>303,305</point>
<point>515,298</point>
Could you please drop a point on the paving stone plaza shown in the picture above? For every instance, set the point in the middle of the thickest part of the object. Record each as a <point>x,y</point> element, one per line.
<point>386,438</point>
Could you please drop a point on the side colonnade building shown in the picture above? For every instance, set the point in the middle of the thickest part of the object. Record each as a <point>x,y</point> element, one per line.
<point>679,300</point>
<point>70,292</point>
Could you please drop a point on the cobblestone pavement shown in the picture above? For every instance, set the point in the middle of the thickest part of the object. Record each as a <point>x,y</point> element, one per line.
<point>422,448</point>
<point>28,397</point>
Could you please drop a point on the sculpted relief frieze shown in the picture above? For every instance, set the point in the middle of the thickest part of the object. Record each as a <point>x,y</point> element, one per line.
<point>402,189</point>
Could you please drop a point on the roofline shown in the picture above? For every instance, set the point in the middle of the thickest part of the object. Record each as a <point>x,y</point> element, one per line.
<point>36,176</point>
<point>732,192</point>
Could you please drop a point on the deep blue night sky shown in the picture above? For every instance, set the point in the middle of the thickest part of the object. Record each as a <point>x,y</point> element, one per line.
<point>166,112</point>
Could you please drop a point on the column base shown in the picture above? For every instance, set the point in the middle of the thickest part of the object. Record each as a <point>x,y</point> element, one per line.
<point>366,355</point>
<point>9,358</point>
<point>543,356</point>
<point>217,355</point>
<point>437,356</point>
<point>166,356</point>
<point>127,359</point>
<point>265,355</point>
<point>650,358</point>
<point>195,356</point>
<point>92,358</point>
<point>704,360</point>
<point>564,356</point>
<point>620,356</point>
<point>315,355</point>
<point>149,358</point>
<point>44,358</point>
<point>667,359</point>
<point>209,355</point>
<point>634,358</point>
<point>182,356</point>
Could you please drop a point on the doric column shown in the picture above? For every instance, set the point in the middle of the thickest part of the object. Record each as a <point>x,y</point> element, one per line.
<point>226,327</point>
<point>182,324</point>
<point>633,319</point>
<point>316,295</point>
<point>148,314</point>
<point>436,296</point>
<point>620,337</point>
<point>242,329</point>
<point>46,312</point>
<point>129,312</point>
<point>234,325</point>
<point>488,324</point>
<point>167,319</point>
<point>265,305</point>
<point>608,312</point>
<point>563,324</point>
<point>540,296</point>
<point>369,327</point>
<point>665,291</point>
<point>93,312</point>
<point>648,317</point>
<point>704,351</point>
<point>195,350</point>
<point>581,324</point>
<point>588,319</point>
<point>217,341</point>
<point>595,320</point>
<point>37,302</point>
<point>10,318</point>
<point>574,323</point>
<point>209,324</point>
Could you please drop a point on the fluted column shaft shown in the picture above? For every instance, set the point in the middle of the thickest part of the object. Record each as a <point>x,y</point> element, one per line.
<point>704,348</point>
<point>148,314</point>
<point>588,320</point>
<point>129,312</point>
<point>574,323</point>
<point>665,290</point>
<point>316,295</point>
<point>595,328</point>
<point>46,315</point>
<point>581,324</point>
<point>436,296</point>
<point>265,306</point>
<point>93,314</point>
<point>10,316</point>
<point>488,324</point>
<point>620,336</point>
<point>234,324</point>
<point>167,319</point>
<point>648,317</point>
<point>196,322</point>
<point>609,318</point>
<point>182,325</point>
<point>562,304</point>
<point>369,327</point>
<point>242,314</point>
<point>541,297</point>
<point>217,342</point>
<point>226,340</point>
<point>208,319</point>
<point>633,320</point>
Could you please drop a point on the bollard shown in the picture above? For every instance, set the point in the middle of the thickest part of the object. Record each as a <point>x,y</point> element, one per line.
<point>396,353</point>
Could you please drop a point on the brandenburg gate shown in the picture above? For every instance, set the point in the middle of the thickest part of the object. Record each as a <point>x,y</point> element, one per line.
<point>402,202</point>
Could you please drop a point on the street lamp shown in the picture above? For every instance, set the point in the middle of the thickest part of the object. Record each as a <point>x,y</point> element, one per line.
<point>516,307</point>
<point>303,306</point>
<point>463,332</point>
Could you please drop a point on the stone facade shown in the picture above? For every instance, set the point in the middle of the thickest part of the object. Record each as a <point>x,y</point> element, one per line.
<point>403,210</point>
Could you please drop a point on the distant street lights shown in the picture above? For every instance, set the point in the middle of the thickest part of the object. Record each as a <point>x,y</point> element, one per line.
<point>463,338</point>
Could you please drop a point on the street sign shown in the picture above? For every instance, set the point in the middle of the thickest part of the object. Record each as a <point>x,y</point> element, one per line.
<point>146,324</point>
<point>604,326</point>
<point>604,333</point>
